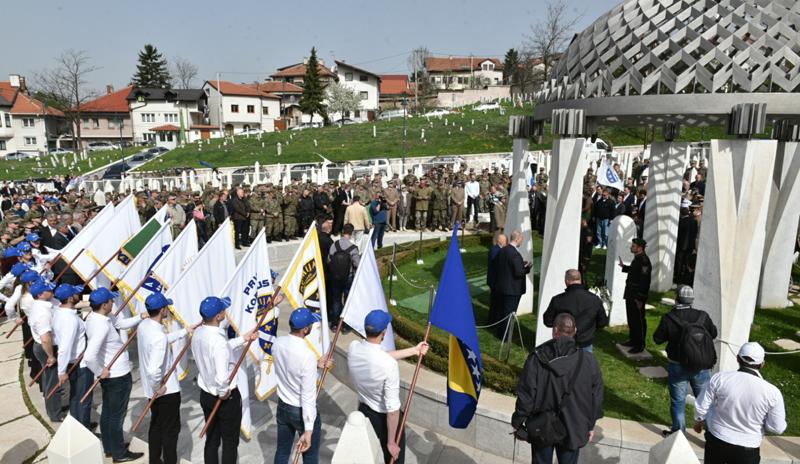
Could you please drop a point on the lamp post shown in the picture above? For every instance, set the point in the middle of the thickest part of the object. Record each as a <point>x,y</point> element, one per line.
<point>121,148</point>
<point>405,130</point>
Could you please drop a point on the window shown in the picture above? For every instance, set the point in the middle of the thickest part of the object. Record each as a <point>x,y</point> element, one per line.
<point>170,117</point>
<point>85,123</point>
<point>95,123</point>
<point>348,76</point>
<point>8,120</point>
<point>165,136</point>
<point>357,114</point>
<point>149,137</point>
<point>30,140</point>
<point>487,66</point>
<point>148,117</point>
<point>251,109</point>
<point>265,110</point>
<point>28,122</point>
<point>2,145</point>
<point>234,108</point>
<point>363,77</point>
<point>363,95</point>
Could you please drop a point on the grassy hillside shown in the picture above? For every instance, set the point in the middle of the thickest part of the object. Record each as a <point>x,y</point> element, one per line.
<point>24,169</point>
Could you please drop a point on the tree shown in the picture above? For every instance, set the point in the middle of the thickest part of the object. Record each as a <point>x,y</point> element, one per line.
<point>313,90</point>
<point>511,67</point>
<point>547,40</point>
<point>64,87</point>
<point>185,72</point>
<point>425,90</point>
<point>152,70</point>
<point>342,99</point>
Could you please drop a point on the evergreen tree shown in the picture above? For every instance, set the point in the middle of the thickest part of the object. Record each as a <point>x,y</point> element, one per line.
<point>152,69</point>
<point>511,67</point>
<point>313,90</point>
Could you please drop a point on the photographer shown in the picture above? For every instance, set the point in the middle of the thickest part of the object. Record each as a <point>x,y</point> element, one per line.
<point>378,210</point>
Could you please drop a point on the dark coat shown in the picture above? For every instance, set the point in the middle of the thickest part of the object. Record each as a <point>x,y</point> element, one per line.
<point>510,272</point>
<point>219,212</point>
<point>305,207</point>
<point>604,208</point>
<point>585,307</point>
<point>536,392</point>
<point>491,268</point>
<point>629,200</point>
<point>321,203</point>
<point>637,285</point>
<point>240,209</point>
<point>670,332</point>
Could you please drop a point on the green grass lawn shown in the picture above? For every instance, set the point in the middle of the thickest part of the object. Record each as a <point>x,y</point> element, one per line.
<point>628,394</point>
<point>24,169</point>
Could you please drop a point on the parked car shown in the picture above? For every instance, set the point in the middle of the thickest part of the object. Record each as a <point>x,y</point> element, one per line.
<point>363,167</point>
<point>296,172</point>
<point>437,113</point>
<point>102,146</point>
<point>488,107</point>
<point>446,160</point>
<point>16,156</point>
<point>59,151</point>
<point>345,121</point>
<point>115,171</point>
<point>250,132</point>
<point>306,125</point>
<point>155,151</point>
<point>391,114</point>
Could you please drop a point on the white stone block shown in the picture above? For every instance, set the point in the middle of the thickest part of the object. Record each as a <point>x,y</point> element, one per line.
<point>675,449</point>
<point>74,444</point>
<point>623,231</point>
<point>782,219</point>
<point>732,238</point>
<point>358,443</point>
<point>562,224</point>
<point>518,217</point>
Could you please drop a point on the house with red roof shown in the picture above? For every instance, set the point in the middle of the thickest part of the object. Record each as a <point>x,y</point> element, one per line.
<point>169,117</point>
<point>27,124</point>
<point>463,72</point>
<point>363,83</point>
<point>238,108</point>
<point>394,88</point>
<point>296,73</point>
<point>107,118</point>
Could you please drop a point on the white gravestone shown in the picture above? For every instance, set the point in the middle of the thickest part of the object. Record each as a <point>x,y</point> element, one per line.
<point>675,449</point>
<point>518,217</point>
<point>622,232</point>
<point>358,443</point>
<point>74,444</point>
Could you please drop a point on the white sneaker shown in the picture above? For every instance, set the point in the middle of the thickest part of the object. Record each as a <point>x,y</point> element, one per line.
<point>597,247</point>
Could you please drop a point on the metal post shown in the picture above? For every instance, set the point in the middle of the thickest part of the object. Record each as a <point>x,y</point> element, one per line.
<point>391,273</point>
<point>405,133</point>
<point>419,247</point>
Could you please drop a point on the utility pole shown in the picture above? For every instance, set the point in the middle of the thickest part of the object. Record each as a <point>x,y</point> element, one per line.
<point>405,131</point>
<point>219,107</point>
<point>416,83</point>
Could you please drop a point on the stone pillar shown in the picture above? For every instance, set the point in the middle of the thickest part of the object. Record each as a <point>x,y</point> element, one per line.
<point>563,217</point>
<point>782,220</point>
<point>667,162</point>
<point>622,233</point>
<point>518,214</point>
<point>732,238</point>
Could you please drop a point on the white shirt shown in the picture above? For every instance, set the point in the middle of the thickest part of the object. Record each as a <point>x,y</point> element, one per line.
<point>376,376</point>
<point>70,336</point>
<point>103,342</point>
<point>155,356</point>
<point>738,407</point>
<point>213,354</point>
<point>11,301</point>
<point>296,370</point>
<point>40,318</point>
<point>473,188</point>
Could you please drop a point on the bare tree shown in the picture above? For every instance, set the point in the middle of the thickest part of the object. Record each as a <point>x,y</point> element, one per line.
<point>185,72</point>
<point>419,76</point>
<point>547,39</point>
<point>65,85</point>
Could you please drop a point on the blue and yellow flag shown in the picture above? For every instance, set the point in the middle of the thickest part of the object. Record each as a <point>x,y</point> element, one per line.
<point>452,312</point>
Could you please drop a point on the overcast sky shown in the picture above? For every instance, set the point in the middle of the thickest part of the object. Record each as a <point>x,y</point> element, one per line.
<point>247,39</point>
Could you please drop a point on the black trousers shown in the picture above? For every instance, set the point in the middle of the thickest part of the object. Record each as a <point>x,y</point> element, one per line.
<point>240,232</point>
<point>224,429</point>
<point>637,323</point>
<point>507,304</point>
<point>722,452</point>
<point>381,426</point>
<point>472,207</point>
<point>165,425</point>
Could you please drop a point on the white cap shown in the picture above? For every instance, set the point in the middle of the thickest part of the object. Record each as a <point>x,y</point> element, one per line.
<point>752,353</point>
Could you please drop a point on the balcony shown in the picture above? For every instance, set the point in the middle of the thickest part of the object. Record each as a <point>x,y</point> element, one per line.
<point>6,132</point>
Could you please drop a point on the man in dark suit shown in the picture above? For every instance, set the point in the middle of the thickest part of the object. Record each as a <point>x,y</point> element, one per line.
<point>510,279</point>
<point>491,277</point>
<point>340,204</point>
<point>583,305</point>
<point>637,289</point>
<point>49,231</point>
<point>58,242</point>
<point>629,199</point>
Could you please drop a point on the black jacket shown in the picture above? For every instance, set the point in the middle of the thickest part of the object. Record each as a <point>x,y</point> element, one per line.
<point>240,209</point>
<point>219,212</point>
<point>637,285</point>
<point>509,272</point>
<point>670,332</point>
<point>585,307</point>
<point>492,265</point>
<point>305,207</point>
<point>604,208</point>
<point>536,392</point>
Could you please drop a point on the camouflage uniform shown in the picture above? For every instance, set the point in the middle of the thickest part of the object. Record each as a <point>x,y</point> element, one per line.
<point>258,204</point>
<point>274,217</point>
<point>422,196</point>
<point>441,194</point>
<point>290,201</point>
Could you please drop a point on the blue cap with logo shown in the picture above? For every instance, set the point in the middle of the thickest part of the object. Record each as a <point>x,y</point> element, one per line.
<point>41,286</point>
<point>29,276</point>
<point>65,291</point>
<point>11,252</point>
<point>213,305</point>
<point>24,247</point>
<point>376,321</point>
<point>302,318</point>
<point>33,237</point>
<point>156,300</point>
<point>18,268</point>
<point>102,295</point>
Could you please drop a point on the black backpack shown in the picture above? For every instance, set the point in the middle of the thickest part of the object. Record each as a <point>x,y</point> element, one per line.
<point>341,263</point>
<point>697,350</point>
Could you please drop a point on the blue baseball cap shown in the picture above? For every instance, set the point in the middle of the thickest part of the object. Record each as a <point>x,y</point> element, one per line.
<point>18,268</point>
<point>24,247</point>
<point>29,276</point>
<point>213,305</point>
<point>102,295</point>
<point>65,291</point>
<point>33,237</point>
<point>11,252</point>
<point>41,286</point>
<point>156,300</point>
<point>302,318</point>
<point>376,321</point>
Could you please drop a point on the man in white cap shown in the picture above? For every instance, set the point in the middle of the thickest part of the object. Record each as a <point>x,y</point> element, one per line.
<point>736,408</point>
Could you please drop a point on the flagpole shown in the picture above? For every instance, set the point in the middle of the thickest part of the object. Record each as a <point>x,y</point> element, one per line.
<point>69,264</point>
<point>130,297</point>
<point>75,364</point>
<point>329,355</point>
<point>97,272</point>
<point>241,360</point>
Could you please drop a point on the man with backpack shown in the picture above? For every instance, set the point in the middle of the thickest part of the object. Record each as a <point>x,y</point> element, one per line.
<point>559,397</point>
<point>342,263</point>
<point>689,334</point>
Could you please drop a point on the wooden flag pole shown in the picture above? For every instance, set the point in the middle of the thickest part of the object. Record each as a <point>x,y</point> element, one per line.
<point>100,269</point>
<point>241,360</point>
<point>37,376</point>
<point>20,320</point>
<point>50,263</point>
<point>69,264</point>
<point>28,343</point>
<point>130,297</point>
<point>329,355</point>
<point>75,364</point>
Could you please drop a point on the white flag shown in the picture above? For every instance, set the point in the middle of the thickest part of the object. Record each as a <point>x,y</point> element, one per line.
<point>141,265</point>
<point>366,294</point>
<point>607,176</point>
<point>84,266</point>
<point>123,226</point>
<point>303,285</point>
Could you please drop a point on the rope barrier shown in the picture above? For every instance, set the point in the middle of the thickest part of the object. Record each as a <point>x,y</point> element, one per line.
<point>494,324</point>
<point>406,280</point>
<point>773,353</point>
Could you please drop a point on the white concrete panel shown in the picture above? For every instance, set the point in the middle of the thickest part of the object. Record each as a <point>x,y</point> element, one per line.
<point>667,162</point>
<point>518,217</point>
<point>675,449</point>
<point>562,223</point>
<point>620,235</point>
<point>732,238</point>
<point>358,442</point>
<point>782,219</point>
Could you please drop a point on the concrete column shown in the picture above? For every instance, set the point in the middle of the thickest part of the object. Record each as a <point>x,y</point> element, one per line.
<point>667,162</point>
<point>782,220</point>
<point>518,216</point>
<point>622,233</point>
<point>562,223</point>
<point>732,238</point>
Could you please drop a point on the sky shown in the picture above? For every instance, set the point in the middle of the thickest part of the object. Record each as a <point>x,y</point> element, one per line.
<point>246,40</point>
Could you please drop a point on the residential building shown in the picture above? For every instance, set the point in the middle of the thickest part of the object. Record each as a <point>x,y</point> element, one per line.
<point>289,104</point>
<point>393,90</point>
<point>169,117</point>
<point>28,125</point>
<point>463,72</point>
<point>296,73</point>
<point>363,83</point>
<point>107,118</point>
<point>241,107</point>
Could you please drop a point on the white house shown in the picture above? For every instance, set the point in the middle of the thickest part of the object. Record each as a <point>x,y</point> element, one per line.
<point>365,84</point>
<point>463,72</point>
<point>241,107</point>
<point>168,118</point>
<point>27,124</point>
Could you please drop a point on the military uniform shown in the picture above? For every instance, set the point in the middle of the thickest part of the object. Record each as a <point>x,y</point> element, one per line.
<point>290,201</point>
<point>422,196</point>
<point>392,196</point>
<point>410,179</point>
<point>258,205</point>
<point>542,178</point>
<point>441,195</point>
<point>274,217</point>
<point>457,198</point>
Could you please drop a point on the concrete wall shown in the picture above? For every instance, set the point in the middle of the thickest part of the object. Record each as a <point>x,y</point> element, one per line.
<point>455,99</point>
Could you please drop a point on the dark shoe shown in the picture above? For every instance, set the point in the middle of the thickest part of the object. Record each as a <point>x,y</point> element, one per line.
<point>108,455</point>
<point>345,329</point>
<point>238,248</point>
<point>92,425</point>
<point>666,433</point>
<point>627,344</point>
<point>636,350</point>
<point>129,456</point>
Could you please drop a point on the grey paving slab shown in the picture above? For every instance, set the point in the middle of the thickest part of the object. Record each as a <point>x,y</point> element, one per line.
<point>22,439</point>
<point>643,356</point>
<point>787,344</point>
<point>653,372</point>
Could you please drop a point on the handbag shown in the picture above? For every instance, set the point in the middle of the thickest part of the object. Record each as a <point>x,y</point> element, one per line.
<point>546,428</point>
